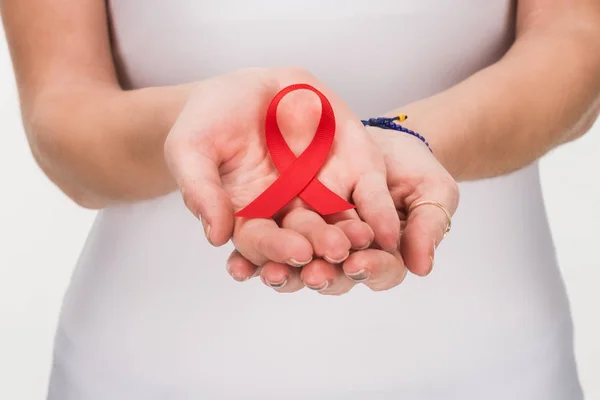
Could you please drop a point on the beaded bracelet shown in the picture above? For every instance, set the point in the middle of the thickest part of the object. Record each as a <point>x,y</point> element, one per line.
<point>389,123</point>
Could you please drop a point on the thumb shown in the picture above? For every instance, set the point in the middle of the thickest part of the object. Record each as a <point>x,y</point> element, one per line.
<point>197,175</point>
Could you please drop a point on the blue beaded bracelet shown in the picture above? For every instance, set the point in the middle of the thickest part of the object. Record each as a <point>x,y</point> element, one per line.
<point>390,123</point>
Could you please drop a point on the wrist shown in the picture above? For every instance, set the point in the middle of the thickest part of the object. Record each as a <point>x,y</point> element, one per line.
<point>152,112</point>
<point>441,127</point>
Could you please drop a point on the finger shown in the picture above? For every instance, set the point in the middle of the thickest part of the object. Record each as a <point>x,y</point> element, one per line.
<point>328,241</point>
<point>197,175</point>
<point>376,207</point>
<point>425,229</point>
<point>281,277</point>
<point>261,240</point>
<point>240,268</point>
<point>341,216</point>
<point>358,232</point>
<point>326,278</point>
<point>377,269</point>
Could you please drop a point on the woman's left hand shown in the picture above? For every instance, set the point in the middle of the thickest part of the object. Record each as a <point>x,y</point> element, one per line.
<point>414,175</point>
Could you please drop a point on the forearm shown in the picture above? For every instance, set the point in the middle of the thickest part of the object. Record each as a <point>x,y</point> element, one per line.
<point>98,143</point>
<point>543,93</point>
<point>103,145</point>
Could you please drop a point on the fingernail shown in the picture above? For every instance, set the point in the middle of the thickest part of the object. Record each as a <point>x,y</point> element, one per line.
<point>322,286</point>
<point>428,272</point>
<point>236,277</point>
<point>298,264</point>
<point>332,261</point>
<point>276,285</point>
<point>206,227</point>
<point>239,278</point>
<point>360,276</point>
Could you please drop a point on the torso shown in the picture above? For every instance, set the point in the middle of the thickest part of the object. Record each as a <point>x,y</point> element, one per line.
<point>152,314</point>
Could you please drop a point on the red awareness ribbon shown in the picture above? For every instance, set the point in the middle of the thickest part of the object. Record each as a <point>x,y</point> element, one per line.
<point>297,174</point>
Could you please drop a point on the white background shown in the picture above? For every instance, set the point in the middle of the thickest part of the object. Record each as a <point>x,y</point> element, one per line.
<point>42,232</point>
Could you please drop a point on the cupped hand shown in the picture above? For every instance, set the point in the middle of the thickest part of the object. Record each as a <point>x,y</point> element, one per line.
<point>413,175</point>
<point>217,154</point>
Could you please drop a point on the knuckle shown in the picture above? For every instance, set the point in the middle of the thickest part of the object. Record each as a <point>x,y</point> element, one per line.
<point>445,181</point>
<point>442,188</point>
<point>452,192</point>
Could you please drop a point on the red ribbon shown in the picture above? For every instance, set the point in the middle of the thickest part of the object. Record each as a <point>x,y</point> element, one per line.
<point>297,174</point>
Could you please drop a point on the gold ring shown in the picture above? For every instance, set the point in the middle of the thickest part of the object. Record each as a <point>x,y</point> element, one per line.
<point>438,205</point>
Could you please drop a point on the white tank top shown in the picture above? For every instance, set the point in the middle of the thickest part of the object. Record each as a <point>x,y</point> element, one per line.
<point>152,314</point>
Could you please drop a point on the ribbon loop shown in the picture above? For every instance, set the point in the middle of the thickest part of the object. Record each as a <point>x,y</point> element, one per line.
<point>297,174</point>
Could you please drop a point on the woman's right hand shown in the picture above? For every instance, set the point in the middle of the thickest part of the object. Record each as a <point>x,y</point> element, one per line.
<point>217,154</point>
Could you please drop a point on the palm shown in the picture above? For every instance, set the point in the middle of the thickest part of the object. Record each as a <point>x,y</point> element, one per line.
<point>217,152</point>
<point>247,170</point>
<point>235,134</point>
